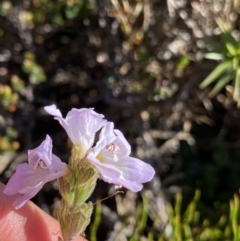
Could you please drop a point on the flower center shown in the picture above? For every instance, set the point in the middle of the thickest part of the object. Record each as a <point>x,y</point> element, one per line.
<point>113,149</point>
<point>41,164</point>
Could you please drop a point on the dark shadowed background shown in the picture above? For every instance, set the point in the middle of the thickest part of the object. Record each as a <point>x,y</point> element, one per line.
<point>140,63</point>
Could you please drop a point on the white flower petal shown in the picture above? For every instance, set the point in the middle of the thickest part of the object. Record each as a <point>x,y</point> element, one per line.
<point>106,137</point>
<point>81,125</point>
<point>29,178</point>
<point>53,110</point>
<point>115,165</point>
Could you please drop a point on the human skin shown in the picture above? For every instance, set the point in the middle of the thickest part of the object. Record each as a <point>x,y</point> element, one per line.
<point>29,223</point>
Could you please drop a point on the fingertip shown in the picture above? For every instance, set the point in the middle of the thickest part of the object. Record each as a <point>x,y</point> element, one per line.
<point>27,223</point>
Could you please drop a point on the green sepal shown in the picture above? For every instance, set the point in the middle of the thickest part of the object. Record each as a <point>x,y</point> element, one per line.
<point>77,155</point>
<point>86,176</point>
<point>85,212</point>
<point>67,187</point>
<point>84,190</point>
<point>74,220</point>
<point>76,187</point>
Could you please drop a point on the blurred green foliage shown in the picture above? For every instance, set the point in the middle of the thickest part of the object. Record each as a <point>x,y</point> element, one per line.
<point>182,225</point>
<point>8,141</point>
<point>190,225</point>
<point>34,71</point>
<point>9,100</point>
<point>228,54</point>
<point>182,64</point>
<point>5,8</point>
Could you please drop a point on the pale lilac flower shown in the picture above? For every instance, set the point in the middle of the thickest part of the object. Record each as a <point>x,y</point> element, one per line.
<point>81,125</point>
<point>42,167</point>
<point>111,157</point>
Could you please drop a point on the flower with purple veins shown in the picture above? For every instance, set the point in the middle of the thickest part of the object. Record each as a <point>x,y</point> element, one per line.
<point>81,125</point>
<point>111,157</point>
<point>42,167</point>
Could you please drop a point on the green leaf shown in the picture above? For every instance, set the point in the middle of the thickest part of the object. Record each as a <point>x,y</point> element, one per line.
<point>235,62</point>
<point>230,41</point>
<point>183,62</point>
<point>96,222</point>
<point>214,56</point>
<point>220,69</point>
<point>220,84</point>
<point>232,49</point>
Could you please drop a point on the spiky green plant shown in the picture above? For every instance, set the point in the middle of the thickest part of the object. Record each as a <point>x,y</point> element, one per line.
<point>187,225</point>
<point>228,69</point>
<point>183,225</point>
